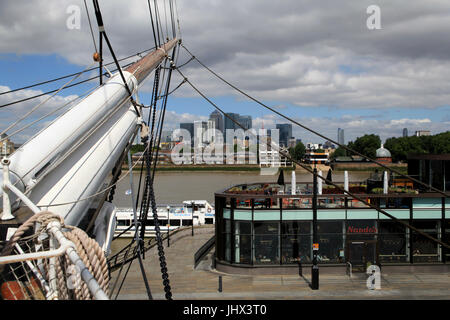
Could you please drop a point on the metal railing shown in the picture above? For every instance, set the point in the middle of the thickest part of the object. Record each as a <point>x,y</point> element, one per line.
<point>204,249</point>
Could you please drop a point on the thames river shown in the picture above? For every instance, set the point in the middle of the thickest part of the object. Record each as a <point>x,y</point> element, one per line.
<point>175,187</point>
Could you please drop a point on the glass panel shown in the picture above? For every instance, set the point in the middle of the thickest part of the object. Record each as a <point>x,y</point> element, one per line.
<point>266,249</point>
<point>294,246</point>
<point>266,243</point>
<point>329,227</point>
<point>266,203</point>
<point>294,227</point>
<point>424,249</point>
<point>242,215</point>
<point>392,242</point>
<point>243,243</point>
<point>266,228</point>
<point>266,215</point>
<point>331,202</point>
<point>297,203</point>
<point>331,248</point>
<point>175,222</point>
<point>244,203</point>
<point>354,203</point>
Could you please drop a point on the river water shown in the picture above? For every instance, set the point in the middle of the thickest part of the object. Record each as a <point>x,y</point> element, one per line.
<point>175,187</point>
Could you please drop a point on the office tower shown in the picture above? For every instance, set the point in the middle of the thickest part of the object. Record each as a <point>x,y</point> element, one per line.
<point>246,121</point>
<point>217,117</point>
<point>189,126</point>
<point>340,136</point>
<point>285,133</point>
<point>405,132</point>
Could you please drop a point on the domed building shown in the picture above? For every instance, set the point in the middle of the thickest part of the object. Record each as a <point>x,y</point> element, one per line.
<point>383,155</point>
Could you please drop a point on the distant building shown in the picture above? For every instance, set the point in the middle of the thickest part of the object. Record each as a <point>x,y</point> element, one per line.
<point>292,142</point>
<point>246,121</point>
<point>189,126</point>
<point>405,132</point>
<point>273,158</point>
<point>340,136</point>
<point>383,155</point>
<point>6,146</point>
<point>313,146</point>
<point>228,121</point>
<point>166,136</point>
<point>217,117</point>
<point>420,133</point>
<point>328,145</point>
<point>200,128</point>
<point>285,133</point>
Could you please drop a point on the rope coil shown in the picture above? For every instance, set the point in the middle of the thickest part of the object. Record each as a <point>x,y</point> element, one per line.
<point>87,248</point>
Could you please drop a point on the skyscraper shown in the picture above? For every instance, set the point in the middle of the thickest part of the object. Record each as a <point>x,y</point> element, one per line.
<point>228,122</point>
<point>245,121</point>
<point>285,133</point>
<point>189,126</point>
<point>340,136</point>
<point>217,117</point>
<point>405,132</point>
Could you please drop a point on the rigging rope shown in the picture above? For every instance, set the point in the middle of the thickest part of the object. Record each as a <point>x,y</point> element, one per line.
<point>315,132</point>
<point>74,74</point>
<point>101,29</point>
<point>90,26</point>
<point>39,105</point>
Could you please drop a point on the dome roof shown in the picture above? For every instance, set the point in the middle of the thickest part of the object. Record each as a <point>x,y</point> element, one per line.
<point>383,153</point>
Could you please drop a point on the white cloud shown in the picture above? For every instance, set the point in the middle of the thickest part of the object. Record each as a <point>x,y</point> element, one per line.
<point>304,53</point>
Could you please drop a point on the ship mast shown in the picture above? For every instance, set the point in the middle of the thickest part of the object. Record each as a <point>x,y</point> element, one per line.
<point>70,160</point>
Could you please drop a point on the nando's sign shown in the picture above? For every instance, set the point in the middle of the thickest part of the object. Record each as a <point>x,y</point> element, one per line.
<point>367,229</point>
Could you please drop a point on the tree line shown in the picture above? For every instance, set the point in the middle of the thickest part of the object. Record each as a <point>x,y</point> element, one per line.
<point>399,147</point>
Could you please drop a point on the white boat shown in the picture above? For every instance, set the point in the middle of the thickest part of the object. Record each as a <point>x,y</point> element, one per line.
<point>170,217</point>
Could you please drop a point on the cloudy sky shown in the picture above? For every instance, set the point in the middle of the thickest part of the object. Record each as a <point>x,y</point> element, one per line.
<point>315,61</point>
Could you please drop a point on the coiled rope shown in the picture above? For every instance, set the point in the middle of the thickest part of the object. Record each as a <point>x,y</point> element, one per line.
<point>87,248</point>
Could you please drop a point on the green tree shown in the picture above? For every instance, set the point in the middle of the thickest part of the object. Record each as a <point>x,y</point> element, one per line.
<point>339,152</point>
<point>298,152</point>
<point>401,147</point>
<point>366,145</point>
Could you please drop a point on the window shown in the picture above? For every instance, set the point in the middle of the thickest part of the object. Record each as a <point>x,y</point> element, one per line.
<point>331,248</point>
<point>227,240</point>
<point>123,223</point>
<point>294,203</point>
<point>424,249</point>
<point>186,222</point>
<point>266,244</point>
<point>243,242</point>
<point>331,202</point>
<point>392,242</point>
<point>295,242</point>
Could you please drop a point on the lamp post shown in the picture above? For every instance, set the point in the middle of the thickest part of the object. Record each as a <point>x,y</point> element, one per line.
<point>315,267</point>
<point>168,226</point>
<point>192,217</point>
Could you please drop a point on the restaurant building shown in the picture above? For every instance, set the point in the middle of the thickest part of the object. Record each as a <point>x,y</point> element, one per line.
<point>257,227</point>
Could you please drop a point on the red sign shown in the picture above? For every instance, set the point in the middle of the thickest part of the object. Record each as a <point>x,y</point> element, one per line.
<point>361,230</point>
